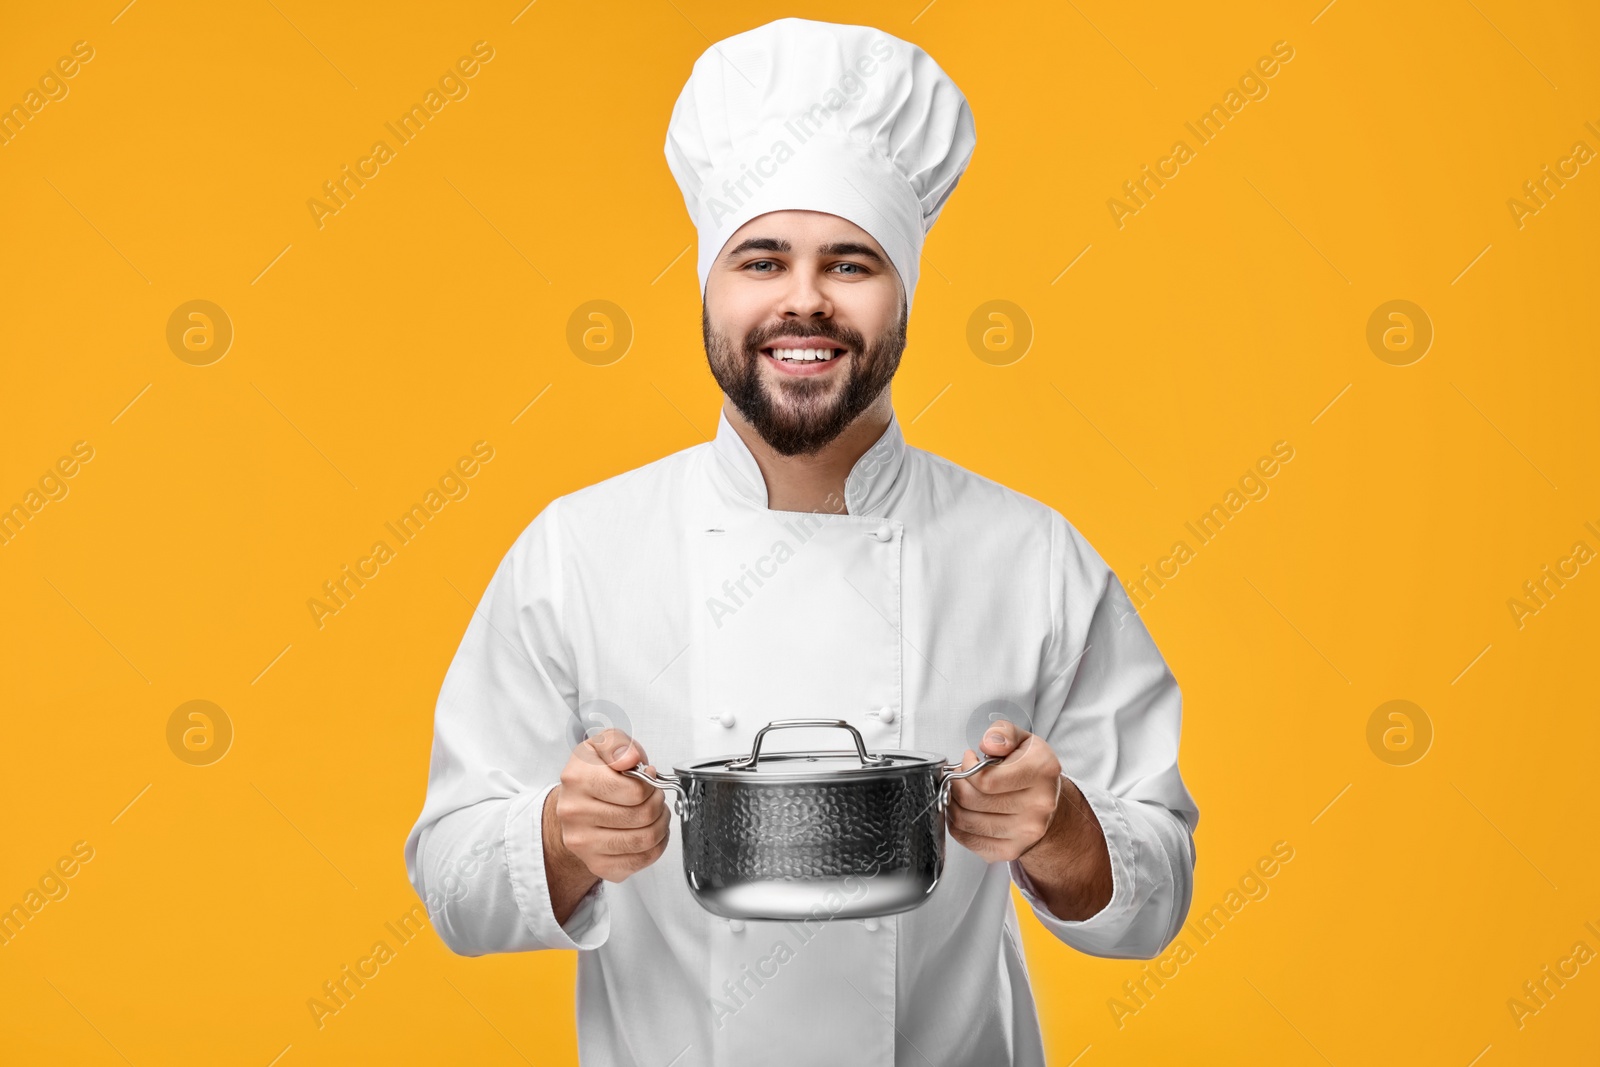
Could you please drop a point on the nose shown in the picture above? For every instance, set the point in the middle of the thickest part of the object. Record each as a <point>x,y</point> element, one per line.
<point>803,298</point>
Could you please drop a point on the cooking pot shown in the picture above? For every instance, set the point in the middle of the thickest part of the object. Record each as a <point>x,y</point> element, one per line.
<point>820,835</point>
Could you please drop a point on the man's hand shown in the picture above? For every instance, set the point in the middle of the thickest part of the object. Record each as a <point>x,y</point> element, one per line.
<point>613,824</point>
<point>1024,808</point>
<point>1008,807</point>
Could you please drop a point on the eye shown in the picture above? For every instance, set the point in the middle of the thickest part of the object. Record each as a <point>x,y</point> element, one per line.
<point>855,268</point>
<point>757,263</point>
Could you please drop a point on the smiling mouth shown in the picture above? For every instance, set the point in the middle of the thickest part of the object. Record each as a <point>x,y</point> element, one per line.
<point>804,355</point>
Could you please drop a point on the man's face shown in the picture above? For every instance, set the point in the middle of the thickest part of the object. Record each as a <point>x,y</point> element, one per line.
<point>802,278</point>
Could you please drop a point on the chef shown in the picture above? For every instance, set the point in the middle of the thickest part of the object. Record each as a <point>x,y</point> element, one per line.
<point>805,563</point>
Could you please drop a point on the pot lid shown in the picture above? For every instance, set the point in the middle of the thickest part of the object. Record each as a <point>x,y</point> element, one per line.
<point>808,764</point>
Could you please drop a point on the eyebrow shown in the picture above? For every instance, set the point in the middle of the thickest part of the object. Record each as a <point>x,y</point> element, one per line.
<point>778,244</point>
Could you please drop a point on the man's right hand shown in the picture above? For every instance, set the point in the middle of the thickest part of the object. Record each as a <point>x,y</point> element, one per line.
<point>612,823</point>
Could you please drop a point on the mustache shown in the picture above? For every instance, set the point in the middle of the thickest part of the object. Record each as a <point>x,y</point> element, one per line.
<point>851,339</point>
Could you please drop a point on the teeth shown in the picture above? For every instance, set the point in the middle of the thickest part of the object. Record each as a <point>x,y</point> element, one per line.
<point>804,355</point>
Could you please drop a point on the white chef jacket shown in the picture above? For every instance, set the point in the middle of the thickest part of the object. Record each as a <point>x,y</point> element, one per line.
<point>938,592</point>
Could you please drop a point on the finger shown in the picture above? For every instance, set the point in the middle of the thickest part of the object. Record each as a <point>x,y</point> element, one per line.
<point>991,826</point>
<point>962,792</point>
<point>984,782</point>
<point>1024,768</point>
<point>613,787</point>
<point>624,816</point>
<point>998,778</point>
<point>615,749</point>
<point>979,843</point>
<point>972,799</point>
<point>629,842</point>
<point>1003,738</point>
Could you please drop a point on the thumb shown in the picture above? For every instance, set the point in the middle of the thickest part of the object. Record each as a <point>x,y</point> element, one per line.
<point>1001,739</point>
<point>617,750</point>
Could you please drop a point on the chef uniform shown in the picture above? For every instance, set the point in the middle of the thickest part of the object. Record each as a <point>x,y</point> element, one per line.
<point>671,602</point>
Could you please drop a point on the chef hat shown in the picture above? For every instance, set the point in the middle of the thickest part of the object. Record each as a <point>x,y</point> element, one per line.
<point>803,115</point>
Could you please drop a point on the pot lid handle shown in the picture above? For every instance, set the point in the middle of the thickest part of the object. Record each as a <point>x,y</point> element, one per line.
<point>748,763</point>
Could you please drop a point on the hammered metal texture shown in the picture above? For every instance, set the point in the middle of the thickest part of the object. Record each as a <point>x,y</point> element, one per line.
<point>761,830</point>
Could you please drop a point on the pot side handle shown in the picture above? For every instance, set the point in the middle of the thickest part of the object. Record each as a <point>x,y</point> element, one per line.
<point>662,782</point>
<point>659,780</point>
<point>954,771</point>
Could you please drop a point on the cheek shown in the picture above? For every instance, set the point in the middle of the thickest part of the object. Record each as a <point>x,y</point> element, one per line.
<point>728,342</point>
<point>738,304</point>
<point>871,309</point>
<point>735,326</point>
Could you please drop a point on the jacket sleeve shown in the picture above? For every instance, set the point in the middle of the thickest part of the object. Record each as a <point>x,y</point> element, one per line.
<point>1111,710</point>
<point>504,727</point>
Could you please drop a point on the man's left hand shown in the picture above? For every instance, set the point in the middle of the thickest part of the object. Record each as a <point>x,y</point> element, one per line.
<point>1008,807</point>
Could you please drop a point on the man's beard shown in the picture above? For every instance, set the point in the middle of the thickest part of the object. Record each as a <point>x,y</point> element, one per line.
<point>812,411</point>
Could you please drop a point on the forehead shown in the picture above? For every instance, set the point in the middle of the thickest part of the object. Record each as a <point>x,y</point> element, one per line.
<point>803,231</point>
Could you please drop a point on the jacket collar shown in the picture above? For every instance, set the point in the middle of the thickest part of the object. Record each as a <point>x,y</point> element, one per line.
<point>866,489</point>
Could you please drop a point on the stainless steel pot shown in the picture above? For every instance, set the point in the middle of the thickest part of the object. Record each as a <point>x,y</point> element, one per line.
<point>812,835</point>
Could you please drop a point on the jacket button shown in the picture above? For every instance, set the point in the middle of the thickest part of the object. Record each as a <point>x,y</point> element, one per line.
<point>736,925</point>
<point>726,719</point>
<point>871,924</point>
<point>883,532</point>
<point>884,714</point>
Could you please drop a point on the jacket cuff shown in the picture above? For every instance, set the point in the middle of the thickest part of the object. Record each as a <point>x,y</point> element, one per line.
<point>590,923</point>
<point>1107,923</point>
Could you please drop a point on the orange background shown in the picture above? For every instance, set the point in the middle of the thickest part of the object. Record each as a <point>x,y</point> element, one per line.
<point>1228,314</point>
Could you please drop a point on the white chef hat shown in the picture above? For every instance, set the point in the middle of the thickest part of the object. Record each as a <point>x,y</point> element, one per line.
<point>803,115</point>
